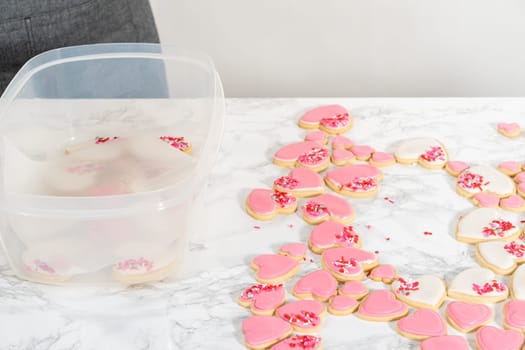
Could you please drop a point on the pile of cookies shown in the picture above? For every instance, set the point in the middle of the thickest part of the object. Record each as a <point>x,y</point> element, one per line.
<point>337,287</point>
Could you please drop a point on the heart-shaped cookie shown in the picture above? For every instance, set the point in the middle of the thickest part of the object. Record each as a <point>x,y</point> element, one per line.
<point>307,154</point>
<point>520,177</point>
<point>263,204</point>
<point>347,264</point>
<point>301,182</point>
<point>384,273</point>
<point>446,342</point>
<point>486,224</point>
<point>513,203</point>
<point>483,178</point>
<point>304,315</point>
<point>509,168</point>
<point>354,289</point>
<point>325,207</point>
<point>274,268</point>
<point>296,251</point>
<point>330,234</point>
<point>510,130</point>
<point>261,332</point>
<point>422,324</point>
<point>341,142</point>
<point>425,291</point>
<point>517,283</point>
<point>428,152</point>
<point>357,180</point>
<point>382,159</point>
<point>342,157</point>
<point>486,200</point>
<point>456,167</point>
<point>467,317</point>
<point>320,285</point>
<point>492,338</point>
<point>299,342</point>
<point>477,285</point>
<point>514,315</point>
<point>341,305</point>
<point>501,257</point>
<point>334,119</point>
<point>381,306</point>
<point>319,136</point>
<point>362,152</point>
<point>263,299</point>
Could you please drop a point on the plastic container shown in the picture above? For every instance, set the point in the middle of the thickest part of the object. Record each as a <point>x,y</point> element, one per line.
<point>137,92</point>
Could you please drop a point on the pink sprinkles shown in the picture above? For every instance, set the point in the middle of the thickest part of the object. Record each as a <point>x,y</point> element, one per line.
<point>345,266</point>
<point>361,184</point>
<point>39,266</point>
<point>406,286</point>
<point>99,140</point>
<point>389,200</point>
<point>513,248</point>
<point>314,156</point>
<point>135,265</point>
<point>283,199</point>
<point>497,228</point>
<point>312,208</point>
<point>287,182</point>
<point>433,153</point>
<point>472,181</point>
<point>177,142</point>
<point>337,121</point>
<point>303,319</point>
<point>257,289</point>
<point>347,236</point>
<point>303,342</point>
<point>489,287</point>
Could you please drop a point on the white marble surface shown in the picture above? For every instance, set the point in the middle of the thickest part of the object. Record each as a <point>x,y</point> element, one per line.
<point>200,311</point>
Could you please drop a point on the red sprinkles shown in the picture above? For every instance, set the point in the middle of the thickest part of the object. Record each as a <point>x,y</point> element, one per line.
<point>472,181</point>
<point>337,121</point>
<point>497,228</point>
<point>314,156</point>
<point>315,209</point>
<point>406,286</point>
<point>303,319</point>
<point>303,342</point>
<point>287,182</point>
<point>489,287</point>
<point>177,142</point>
<point>347,236</point>
<point>256,289</point>
<point>433,153</point>
<point>427,233</point>
<point>389,200</point>
<point>361,184</point>
<point>283,199</point>
<point>513,248</point>
<point>99,140</point>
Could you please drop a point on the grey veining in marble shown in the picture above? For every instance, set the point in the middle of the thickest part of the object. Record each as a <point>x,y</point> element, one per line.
<point>200,311</point>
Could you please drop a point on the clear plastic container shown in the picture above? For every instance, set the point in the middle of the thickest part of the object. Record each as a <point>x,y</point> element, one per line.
<point>138,93</point>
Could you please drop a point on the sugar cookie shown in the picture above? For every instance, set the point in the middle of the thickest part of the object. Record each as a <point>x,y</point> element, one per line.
<point>326,207</point>
<point>341,142</point>
<point>341,305</point>
<point>521,189</point>
<point>319,136</point>
<point>331,234</point>
<point>48,266</point>
<point>296,251</point>
<point>456,167</point>
<point>263,204</point>
<point>140,269</point>
<point>467,317</point>
<point>382,159</point>
<point>358,180</point>
<point>509,168</point>
<point>319,285</point>
<point>510,130</point>
<point>514,203</point>
<point>381,306</point>
<point>486,200</point>
<point>500,257</point>
<point>96,150</point>
<point>428,152</point>
<point>425,291</point>
<point>73,177</point>
<point>354,289</point>
<point>362,152</point>
<point>493,338</point>
<point>301,182</point>
<point>342,157</point>
<point>482,178</point>
<point>422,324</point>
<point>517,283</point>
<point>262,299</point>
<point>478,285</point>
<point>447,342</point>
<point>261,332</point>
<point>299,342</point>
<point>520,177</point>
<point>347,264</point>
<point>305,154</point>
<point>486,224</point>
<point>305,316</point>
<point>384,273</point>
<point>514,315</point>
<point>333,119</point>
<point>274,268</point>
<point>154,147</point>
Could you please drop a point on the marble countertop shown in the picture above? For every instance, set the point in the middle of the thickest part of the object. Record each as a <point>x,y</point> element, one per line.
<point>200,311</point>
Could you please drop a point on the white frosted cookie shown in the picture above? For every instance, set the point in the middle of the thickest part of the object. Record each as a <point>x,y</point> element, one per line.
<point>517,283</point>
<point>477,285</point>
<point>152,147</point>
<point>426,291</point>
<point>72,177</point>
<point>426,151</point>
<point>500,257</point>
<point>487,224</point>
<point>483,178</point>
<point>99,149</point>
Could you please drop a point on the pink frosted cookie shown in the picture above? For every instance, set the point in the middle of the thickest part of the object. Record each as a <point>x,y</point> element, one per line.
<point>514,315</point>
<point>499,256</point>
<point>362,152</point>
<point>446,342</point>
<point>305,316</point>
<point>354,289</point>
<point>319,285</point>
<point>262,299</point>
<point>467,317</point>
<point>382,159</point>
<point>456,167</point>
<point>478,285</point>
<point>521,189</point>
<point>428,152</point>
<point>510,130</point>
<point>342,157</point>
<point>261,332</point>
<point>307,154</point>
<point>301,182</point>
<point>347,264</point>
<point>425,291</point>
<point>381,306</point>
<point>296,251</point>
<point>319,136</point>
<point>274,268</point>
<point>422,324</point>
<point>384,273</point>
<point>493,338</point>
<point>299,342</point>
<point>264,204</point>
<point>520,177</point>
<point>486,224</point>
<point>341,305</point>
<point>333,119</point>
<point>358,180</point>
<point>509,168</point>
<point>482,178</point>
<point>326,207</point>
<point>330,234</point>
<point>341,142</point>
<point>486,200</point>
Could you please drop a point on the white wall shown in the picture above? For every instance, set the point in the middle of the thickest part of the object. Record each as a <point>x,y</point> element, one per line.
<point>355,47</point>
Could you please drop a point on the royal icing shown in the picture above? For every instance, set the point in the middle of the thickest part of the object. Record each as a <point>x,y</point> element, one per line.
<point>481,178</point>
<point>511,166</point>
<point>332,233</point>
<point>382,304</point>
<point>509,128</point>
<point>264,201</point>
<point>355,178</point>
<point>484,224</point>
<point>341,142</point>
<point>468,316</point>
<point>355,289</point>
<point>518,283</point>
<point>520,177</point>
<point>264,330</point>
<point>306,153</point>
<point>327,205</point>
<point>300,180</point>
<point>487,200</point>
<point>320,284</point>
<point>342,155</point>
<point>293,250</point>
<point>427,290</point>
<point>302,314</point>
<point>343,303</point>
<point>383,273</point>
<point>347,262</point>
<point>362,151</point>
<point>477,282</point>
<point>332,117</point>
<point>447,342</point>
<point>423,322</point>
<point>457,166</point>
<point>427,149</point>
<point>382,157</point>
<point>263,297</point>
<point>273,267</point>
<point>515,314</point>
<point>502,255</point>
<point>316,136</point>
<point>512,202</point>
<point>299,342</point>
<point>492,338</point>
